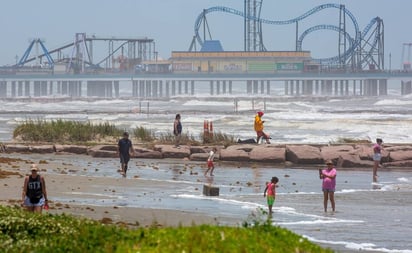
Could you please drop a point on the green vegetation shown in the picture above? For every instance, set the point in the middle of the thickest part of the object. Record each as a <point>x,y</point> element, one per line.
<point>61,131</point>
<point>219,138</point>
<point>21,231</point>
<point>144,134</point>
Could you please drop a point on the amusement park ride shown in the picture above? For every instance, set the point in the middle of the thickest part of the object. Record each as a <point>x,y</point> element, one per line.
<point>356,51</point>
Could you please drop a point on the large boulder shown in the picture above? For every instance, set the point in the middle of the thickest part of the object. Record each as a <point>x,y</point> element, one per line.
<point>236,153</point>
<point>199,156</point>
<point>42,149</point>
<point>16,148</point>
<point>141,152</point>
<point>102,151</point>
<point>333,152</point>
<point>303,154</point>
<point>149,155</point>
<point>363,151</point>
<point>170,151</point>
<point>263,153</point>
<point>352,161</point>
<point>400,153</point>
<point>72,149</point>
<point>403,164</point>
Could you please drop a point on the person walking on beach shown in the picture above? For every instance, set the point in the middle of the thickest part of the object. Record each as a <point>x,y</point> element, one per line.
<point>377,148</point>
<point>124,150</point>
<point>34,195</point>
<point>210,164</point>
<point>270,189</point>
<point>328,176</point>
<point>177,130</point>
<point>259,128</point>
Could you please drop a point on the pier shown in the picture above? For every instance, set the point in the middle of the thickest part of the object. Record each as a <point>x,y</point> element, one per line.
<point>164,86</point>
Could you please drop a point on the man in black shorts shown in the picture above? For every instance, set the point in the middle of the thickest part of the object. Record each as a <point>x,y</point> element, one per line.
<point>125,148</point>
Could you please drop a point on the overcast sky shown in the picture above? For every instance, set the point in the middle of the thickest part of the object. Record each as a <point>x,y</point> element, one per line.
<point>171,24</point>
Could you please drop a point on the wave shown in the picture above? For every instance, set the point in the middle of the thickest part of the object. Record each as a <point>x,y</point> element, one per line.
<point>358,246</point>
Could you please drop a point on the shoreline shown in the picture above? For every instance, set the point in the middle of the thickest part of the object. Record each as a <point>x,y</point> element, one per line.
<point>167,193</point>
<point>61,186</point>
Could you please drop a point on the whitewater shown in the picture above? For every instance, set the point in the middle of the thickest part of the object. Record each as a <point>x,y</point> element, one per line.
<point>367,218</point>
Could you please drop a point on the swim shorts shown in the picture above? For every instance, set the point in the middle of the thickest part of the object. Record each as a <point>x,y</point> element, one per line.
<point>28,203</point>
<point>377,157</point>
<point>271,200</point>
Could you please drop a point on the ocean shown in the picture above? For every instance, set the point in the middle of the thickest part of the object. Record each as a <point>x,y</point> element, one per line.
<point>368,218</point>
<point>293,120</point>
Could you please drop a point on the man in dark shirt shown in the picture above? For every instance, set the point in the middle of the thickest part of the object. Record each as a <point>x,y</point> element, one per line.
<point>125,148</point>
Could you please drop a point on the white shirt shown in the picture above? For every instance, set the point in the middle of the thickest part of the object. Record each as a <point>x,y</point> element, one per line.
<point>211,155</point>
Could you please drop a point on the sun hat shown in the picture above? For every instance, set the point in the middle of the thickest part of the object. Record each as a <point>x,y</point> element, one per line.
<point>33,167</point>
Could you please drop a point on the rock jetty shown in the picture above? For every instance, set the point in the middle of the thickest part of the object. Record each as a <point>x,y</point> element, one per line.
<point>343,155</point>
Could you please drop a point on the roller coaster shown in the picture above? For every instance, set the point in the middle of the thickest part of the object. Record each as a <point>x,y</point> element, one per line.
<point>356,52</point>
<point>123,52</point>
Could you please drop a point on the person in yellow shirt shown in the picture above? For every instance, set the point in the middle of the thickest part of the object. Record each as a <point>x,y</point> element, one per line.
<point>259,128</point>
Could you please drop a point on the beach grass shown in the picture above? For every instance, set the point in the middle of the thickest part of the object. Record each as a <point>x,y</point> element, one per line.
<point>22,231</point>
<point>64,131</point>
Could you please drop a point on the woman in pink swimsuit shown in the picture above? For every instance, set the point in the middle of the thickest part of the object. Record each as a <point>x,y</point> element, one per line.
<point>328,176</point>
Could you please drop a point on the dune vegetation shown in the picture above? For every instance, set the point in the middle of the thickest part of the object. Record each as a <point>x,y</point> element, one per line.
<point>22,231</point>
<point>62,131</point>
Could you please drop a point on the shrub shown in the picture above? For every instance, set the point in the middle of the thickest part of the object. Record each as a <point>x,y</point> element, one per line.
<point>22,231</point>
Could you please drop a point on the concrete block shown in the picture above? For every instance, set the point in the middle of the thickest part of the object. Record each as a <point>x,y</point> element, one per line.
<point>209,190</point>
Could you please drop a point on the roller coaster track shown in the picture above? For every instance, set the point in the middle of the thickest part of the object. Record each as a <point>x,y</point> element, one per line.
<point>354,42</point>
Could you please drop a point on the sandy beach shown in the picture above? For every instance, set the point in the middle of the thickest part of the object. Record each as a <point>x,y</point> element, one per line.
<point>64,186</point>
<point>168,192</point>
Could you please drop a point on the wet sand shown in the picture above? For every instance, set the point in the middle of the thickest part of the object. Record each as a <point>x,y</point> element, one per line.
<point>62,186</point>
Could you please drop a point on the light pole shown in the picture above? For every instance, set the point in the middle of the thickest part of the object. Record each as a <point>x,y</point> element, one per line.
<point>390,62</point>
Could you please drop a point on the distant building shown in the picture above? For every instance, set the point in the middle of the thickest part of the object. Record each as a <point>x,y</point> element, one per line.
<point>242,62</point>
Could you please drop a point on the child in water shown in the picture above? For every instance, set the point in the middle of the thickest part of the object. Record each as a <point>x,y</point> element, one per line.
<point>210,164</point>
<point>271,193</point>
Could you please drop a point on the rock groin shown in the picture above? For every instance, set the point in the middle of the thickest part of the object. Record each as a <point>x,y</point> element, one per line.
<point>343,155</point>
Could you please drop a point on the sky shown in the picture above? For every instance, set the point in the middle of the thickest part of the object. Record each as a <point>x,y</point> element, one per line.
<point>171,24</point>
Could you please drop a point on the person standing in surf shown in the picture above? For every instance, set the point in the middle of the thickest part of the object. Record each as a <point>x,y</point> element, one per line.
<point>124,150</point>
<point>328,176</point>
<point>377,149</point>
<point>210,164</point>
<point>270,189</point>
